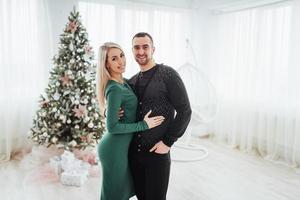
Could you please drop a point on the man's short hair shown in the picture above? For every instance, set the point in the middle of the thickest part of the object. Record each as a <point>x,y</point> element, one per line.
<point>143,34</point>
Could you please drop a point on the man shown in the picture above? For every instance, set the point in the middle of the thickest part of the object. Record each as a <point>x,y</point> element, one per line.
<point>160,89</point>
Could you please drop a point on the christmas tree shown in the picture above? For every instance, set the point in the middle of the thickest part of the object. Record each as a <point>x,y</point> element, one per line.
<point>68,116</point>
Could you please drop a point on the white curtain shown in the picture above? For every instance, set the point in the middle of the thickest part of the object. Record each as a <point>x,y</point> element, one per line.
<point>25,49</point>
<point>257,90</point>
<point>118,22</point>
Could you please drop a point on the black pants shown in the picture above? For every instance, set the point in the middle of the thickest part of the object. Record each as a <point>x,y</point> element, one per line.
<point>150,172</point>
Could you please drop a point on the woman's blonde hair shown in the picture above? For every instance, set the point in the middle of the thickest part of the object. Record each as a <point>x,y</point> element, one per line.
<point>103,75</point>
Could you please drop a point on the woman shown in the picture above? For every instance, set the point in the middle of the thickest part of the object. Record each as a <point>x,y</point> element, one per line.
<point>114,93</point>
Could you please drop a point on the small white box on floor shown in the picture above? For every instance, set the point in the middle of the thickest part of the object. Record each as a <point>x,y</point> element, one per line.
<point>74,178</point>
<point>55,164</point>
<point>68,160</point>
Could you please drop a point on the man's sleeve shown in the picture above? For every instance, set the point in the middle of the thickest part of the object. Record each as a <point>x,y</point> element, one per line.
<point>178,97</point>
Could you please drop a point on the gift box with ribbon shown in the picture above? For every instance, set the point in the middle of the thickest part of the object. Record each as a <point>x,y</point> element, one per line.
<point>73,172</point>
<point>73,178</point>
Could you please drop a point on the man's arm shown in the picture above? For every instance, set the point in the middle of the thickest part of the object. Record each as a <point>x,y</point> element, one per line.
<point>178,97</point>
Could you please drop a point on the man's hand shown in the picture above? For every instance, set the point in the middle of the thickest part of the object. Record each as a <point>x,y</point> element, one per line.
<point>160,148</point>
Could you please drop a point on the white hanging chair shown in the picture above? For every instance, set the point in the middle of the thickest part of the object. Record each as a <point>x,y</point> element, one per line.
<point>202,97</point>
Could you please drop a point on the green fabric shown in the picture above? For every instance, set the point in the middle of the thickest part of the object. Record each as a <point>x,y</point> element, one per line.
<point>113,147</point>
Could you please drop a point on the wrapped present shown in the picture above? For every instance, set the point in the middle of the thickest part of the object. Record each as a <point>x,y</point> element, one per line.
<point>68,160</point>
<point>55,164</point>
<point>72,166</point>
<point>74,178</point>
<point>72,171</point>
<point>67,156</point>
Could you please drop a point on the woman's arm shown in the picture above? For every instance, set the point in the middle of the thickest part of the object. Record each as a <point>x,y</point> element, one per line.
<point>113,125</point>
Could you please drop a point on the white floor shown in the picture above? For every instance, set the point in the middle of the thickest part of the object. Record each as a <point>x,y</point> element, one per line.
<point>225,174</point>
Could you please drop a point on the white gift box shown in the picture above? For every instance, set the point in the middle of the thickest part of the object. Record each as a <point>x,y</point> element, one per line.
<point>55,164</point>
<point>67,157</point>
<point>73,172</point>
<point>71,165</point>
<point>73,178</point>
<point>67,161</point>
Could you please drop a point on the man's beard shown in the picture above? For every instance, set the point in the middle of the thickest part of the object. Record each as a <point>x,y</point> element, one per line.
<point>143,61</point>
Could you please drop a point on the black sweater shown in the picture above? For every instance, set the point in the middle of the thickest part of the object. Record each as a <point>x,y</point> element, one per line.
<point>164,95</point>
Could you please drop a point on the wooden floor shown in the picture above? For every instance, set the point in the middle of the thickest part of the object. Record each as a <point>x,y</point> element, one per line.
<point>225,174</point>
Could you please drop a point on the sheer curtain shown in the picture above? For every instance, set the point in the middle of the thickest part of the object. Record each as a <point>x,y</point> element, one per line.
<point>258,105</point>
<point>118,22</point>
<point>25,56</point>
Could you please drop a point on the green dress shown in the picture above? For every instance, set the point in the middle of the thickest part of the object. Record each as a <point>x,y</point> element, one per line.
<point>113,147</point>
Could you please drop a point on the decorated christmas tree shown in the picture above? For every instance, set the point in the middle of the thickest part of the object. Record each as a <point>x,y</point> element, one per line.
<point>68,116</point>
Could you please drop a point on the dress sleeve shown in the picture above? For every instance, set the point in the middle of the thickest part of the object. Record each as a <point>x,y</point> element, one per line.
<point>113,125</point>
